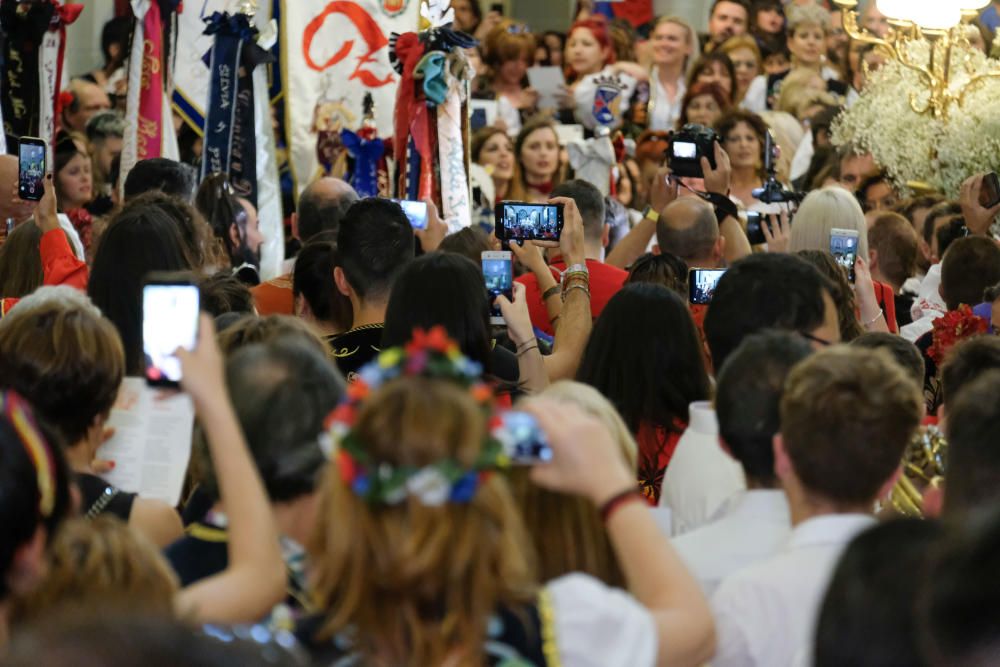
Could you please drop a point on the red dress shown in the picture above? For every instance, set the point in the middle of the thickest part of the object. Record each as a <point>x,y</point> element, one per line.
<point>656,448</point>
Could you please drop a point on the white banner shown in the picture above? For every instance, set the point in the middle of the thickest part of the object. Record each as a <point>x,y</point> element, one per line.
<point>333,52</point>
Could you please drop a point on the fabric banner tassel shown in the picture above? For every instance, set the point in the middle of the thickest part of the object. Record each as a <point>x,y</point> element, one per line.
<point>451,154</point>
<point>272,252</point>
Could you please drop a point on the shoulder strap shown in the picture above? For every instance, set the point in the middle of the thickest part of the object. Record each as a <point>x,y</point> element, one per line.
<point>102,502</point>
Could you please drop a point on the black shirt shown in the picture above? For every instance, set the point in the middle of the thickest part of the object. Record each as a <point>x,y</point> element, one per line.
<point>99,497</point>
<point>353,349</point>
<point>201,553</point>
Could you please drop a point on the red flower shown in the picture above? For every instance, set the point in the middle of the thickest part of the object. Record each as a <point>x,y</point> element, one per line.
<point>348,470</point>
<point>953,327</point>
<point>436,340</point>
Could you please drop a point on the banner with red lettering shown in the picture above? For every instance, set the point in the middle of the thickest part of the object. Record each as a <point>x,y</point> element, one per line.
<point>333,52</point>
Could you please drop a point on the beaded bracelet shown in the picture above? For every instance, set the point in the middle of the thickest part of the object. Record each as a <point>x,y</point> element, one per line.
<point>569,289</point>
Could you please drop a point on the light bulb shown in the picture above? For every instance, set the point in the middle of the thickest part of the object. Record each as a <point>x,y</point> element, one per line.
<point>970,5</point>
<point>934,14</point>
<point>895,9</point>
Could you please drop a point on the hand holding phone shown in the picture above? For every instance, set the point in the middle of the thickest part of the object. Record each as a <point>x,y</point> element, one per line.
<point>170,309</point>
<point>522,439</point>
<point>989,191</point>
<point>523,221</point>
<point>416,212</point>
<point>498,272</point>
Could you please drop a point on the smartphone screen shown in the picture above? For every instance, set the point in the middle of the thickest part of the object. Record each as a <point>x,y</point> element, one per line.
<point>702,284</point>
<point>989,194</point>
<point>685,150</point>
<point>522,438</point>
<point>498,270</point>
<point>416,212</point>
<point>169,321</point>
<point>844,248</point>
<point>31,169</point>
<point>520,221</point>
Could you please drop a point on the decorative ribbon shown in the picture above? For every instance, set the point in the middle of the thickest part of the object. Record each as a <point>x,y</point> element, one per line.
<point>231,33</point>
<point>150,122</point>
<point>25,25</point>
<point>269,215</point>
<point>451,153</point>
<point>367,150</point>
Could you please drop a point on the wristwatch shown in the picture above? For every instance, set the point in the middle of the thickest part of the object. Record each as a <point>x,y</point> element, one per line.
<point>651,213</point>
<point>573,268</point>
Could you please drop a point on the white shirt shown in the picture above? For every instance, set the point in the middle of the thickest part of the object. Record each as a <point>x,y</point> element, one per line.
<point>599,626</point>
<point>927,307</point>
<point>803,157</point>
<point>766,614</point>
<point>701,477</point>
<point>755,99</point>
<point>74,238</point>
<point>666,113</point>
<point>757,527</point>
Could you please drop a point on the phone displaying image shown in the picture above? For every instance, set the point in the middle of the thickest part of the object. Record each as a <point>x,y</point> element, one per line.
<point>844,248</point>
<point>989,194</point>
<point>416,212</point>
<point>521,221</point>
<point>170,307</point>
<point>702,284</point>
<point>522,439</point>
<point>498,270</point>
<point>31,168</point>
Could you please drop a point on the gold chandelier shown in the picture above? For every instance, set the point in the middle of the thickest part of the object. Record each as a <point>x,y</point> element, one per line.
<point>943,25</point>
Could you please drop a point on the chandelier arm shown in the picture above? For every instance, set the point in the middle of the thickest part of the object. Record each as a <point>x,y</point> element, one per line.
<point>973,83</point>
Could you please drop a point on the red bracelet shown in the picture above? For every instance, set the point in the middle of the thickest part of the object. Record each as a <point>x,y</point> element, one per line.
<point>617,500</point>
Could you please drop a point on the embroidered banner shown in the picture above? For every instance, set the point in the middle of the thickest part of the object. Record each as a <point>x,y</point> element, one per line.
<point>333,53</point>
<point>231,32</point>
<point>25,27</point>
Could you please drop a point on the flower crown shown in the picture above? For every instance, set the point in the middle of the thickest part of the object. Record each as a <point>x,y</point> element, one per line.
<point>430,354</point>
<point>952,328</point>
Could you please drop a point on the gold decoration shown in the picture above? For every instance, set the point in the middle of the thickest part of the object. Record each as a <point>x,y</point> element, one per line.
<point>939,71</point>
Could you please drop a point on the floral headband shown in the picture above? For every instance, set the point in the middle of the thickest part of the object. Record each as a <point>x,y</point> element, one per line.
<point>429,354</point>
<point>17,412</point>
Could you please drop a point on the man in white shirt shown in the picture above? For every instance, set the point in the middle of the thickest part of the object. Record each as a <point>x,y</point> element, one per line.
<point>847,415</point>
<point>747,398</point>
<point>761,291</point>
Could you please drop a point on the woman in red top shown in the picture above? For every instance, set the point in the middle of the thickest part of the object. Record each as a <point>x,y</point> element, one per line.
<point>645,356</point>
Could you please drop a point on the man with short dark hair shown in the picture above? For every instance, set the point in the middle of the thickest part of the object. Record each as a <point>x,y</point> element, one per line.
<point>847,415</point>
<point>321,207</point>
<point>605,280</point>
<point>747,397</point>
<point>762,291</point>
<point>728,18</point>
<point>159,173</point>
<point>317,299</point>
<point>973,429</point>
<point>969,266</point>
<point>375,241</point>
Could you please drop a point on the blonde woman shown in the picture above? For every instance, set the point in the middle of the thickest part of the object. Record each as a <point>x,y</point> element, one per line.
<point>675,47</point>
<point>836,208</point>
<point>566,530</point>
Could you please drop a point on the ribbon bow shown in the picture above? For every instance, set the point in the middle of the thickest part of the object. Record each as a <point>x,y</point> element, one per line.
<point>236,25</point>
<point>64,14</point>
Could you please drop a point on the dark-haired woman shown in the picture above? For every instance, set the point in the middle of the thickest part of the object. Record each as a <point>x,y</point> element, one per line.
<point>138,241</point>
<point>645,356</point>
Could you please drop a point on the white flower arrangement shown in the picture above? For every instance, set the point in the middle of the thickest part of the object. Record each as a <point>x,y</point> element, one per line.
<point>913,147</point>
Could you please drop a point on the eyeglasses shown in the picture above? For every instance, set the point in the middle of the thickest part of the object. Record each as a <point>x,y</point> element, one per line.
<point>816,339</point>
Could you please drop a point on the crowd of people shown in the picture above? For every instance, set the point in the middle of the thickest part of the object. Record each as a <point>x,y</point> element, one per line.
<point>778,460</point>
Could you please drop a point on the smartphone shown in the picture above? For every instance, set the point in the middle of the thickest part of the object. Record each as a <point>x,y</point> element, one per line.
<point>497,7</point>
<point>416,212</point>
<point>31,168</point>
<point>989,194</point>
<point>523,440</point>
<point>844,248</point>
<point>702,284</point>
<point>521,221</point>
<point>498,270</point>
<point>170,307</point>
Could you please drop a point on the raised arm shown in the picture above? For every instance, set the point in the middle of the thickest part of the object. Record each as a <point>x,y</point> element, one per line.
<point>662,192</point>
<point>588,462</point>
<point>254,580</point>
<point>717,182</point>
<point>575,323</point>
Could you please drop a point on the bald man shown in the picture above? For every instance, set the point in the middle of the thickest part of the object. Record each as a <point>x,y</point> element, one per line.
<point>20,212</point>
<point>689,229</point>
<point>321,206</point>
<point>88,100</point>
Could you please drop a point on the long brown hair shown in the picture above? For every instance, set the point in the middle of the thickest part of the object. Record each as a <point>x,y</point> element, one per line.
<point>567,530</point>
<point>20,262</point>
<point>417,584</point>
<point>843,293</point>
